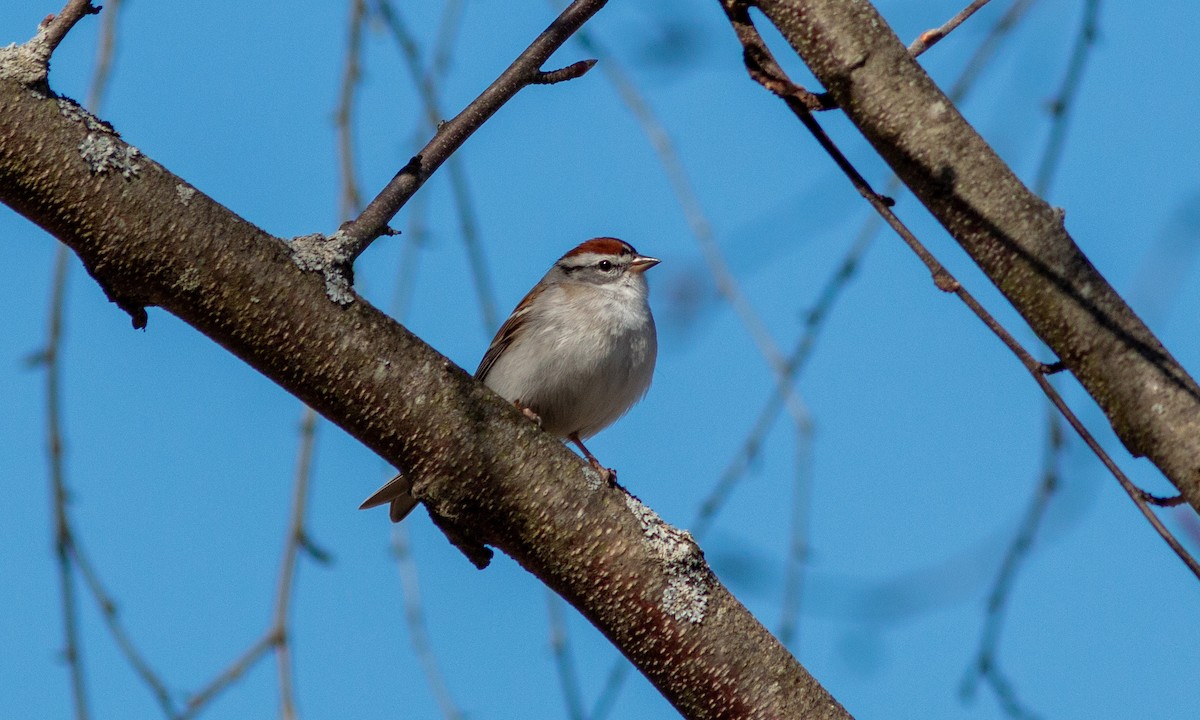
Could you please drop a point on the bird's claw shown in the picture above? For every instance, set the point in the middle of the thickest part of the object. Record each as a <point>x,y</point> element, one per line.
<point>534,417</point>
<point>608,475</point>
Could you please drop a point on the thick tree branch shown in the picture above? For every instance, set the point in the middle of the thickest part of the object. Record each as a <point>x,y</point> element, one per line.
<point>1018,240</point>
<point>768,73</point>
<point>477,463</point>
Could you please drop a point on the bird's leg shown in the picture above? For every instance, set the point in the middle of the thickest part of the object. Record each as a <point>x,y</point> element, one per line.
<point>609,475</point>
<point>534,417</point>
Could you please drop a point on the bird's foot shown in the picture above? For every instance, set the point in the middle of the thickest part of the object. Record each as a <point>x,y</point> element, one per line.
<point>533,417</point>
<point>608,475</point>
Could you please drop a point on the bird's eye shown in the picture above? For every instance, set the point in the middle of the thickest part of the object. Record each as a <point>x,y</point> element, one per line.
<point>604,265</point>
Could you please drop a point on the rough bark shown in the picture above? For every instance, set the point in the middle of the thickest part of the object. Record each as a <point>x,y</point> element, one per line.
<point>1014,236</point>
<point>485,472</point>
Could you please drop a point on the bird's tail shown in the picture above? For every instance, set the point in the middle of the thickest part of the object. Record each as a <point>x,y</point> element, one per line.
<point>398,492</point>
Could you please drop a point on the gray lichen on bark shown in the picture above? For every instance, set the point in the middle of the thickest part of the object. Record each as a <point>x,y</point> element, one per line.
<point>690,580</point>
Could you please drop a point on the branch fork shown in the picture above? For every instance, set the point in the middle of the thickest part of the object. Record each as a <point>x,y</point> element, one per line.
<point>29,63</point>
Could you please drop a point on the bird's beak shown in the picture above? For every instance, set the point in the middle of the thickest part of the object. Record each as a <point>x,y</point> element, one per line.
<point>641,263</point>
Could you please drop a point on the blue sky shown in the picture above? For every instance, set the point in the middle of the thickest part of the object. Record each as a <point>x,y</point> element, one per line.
<point>927,438</point>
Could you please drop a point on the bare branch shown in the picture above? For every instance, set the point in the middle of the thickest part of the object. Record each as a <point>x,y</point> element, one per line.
<point>1018,240</point>
<point>69,554</point>
<point>795,561</point>
<point>417,232</point>
<point>756,54</point>
<point>736,469</point>
<point>1064,99</point>
<point>443,47</point>
<point>728,288</point>
<point>607,698</point>
<point>1173,501</point>
<point>112,619</point>
<point>838,280</point>
<point>774,79</point>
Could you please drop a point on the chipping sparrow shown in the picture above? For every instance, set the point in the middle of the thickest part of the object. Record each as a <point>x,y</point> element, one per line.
<point>576,353</point>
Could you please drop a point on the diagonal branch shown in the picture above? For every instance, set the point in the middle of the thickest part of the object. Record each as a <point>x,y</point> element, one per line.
<point>1017,239</point>
<point>765,70</point>
<point>831,291</point>
<point>482,470</point>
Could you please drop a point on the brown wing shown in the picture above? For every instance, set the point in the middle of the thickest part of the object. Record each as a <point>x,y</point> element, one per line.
<point>506,333</point>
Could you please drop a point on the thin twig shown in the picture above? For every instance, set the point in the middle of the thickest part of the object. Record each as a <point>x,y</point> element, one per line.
<point>754,49</point>
<point>561,652</point>
<point>416,235</point>
<point>988,47</point>
<point>417,231</point>
<point>737,467</point>
<point>355,236</point>
<point>297,538</point>
<point>469,227</point>
<point>414,617</point>
<point>929,38</point>
<point>276,636</point>
<point>766,70</point>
